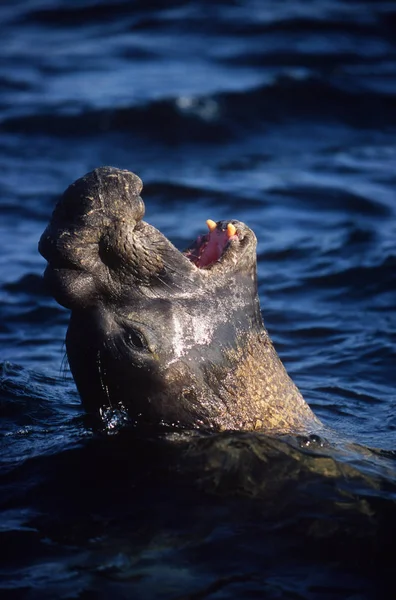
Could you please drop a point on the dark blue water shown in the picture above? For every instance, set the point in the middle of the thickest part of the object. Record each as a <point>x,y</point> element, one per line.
<point>279,114</point>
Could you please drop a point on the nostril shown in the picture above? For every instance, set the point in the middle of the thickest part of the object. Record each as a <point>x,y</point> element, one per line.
<point>108,254</point>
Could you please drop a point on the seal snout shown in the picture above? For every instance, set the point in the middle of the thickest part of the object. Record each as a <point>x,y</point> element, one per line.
<point>90,210</point>
<point>87,233</point>
<point>97,245</point>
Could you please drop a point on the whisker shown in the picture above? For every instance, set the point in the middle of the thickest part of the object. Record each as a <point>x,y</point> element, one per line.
<point>167,284</point>
<point>102,375</point>
<point>186,276</point>
<point>64,367</point>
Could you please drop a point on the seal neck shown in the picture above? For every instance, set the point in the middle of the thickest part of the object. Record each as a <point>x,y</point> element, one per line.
<point>259,394</point>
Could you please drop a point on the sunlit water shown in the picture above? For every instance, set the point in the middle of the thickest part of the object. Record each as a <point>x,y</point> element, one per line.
<point>279,114</point>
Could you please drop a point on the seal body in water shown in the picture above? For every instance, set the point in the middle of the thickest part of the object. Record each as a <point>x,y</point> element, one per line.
<point>174,338</point>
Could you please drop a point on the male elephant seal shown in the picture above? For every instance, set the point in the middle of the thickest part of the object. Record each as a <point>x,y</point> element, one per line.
<point>174,338</point>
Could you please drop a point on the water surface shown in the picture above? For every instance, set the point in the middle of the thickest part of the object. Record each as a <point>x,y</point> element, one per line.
<point>279,114</point>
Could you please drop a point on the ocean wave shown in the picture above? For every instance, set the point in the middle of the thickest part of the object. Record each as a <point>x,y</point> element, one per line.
<point>219,117</point>
<point>361,281</point>
<point>328,198</point>
<point>87,13</point>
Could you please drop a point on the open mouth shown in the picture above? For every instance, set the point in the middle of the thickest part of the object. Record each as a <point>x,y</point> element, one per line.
<point>209,248</point>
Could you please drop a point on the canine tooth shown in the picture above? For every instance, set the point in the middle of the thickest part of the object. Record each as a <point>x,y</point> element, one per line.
<point>211,224</point>
<point>231,230</point>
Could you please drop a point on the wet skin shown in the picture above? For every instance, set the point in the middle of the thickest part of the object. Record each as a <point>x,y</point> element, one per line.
<point>174,338</point>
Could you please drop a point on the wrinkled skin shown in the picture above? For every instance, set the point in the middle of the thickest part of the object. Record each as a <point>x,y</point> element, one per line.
<point>169,341</point>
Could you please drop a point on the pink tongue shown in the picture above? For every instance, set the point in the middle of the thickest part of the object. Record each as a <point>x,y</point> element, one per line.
<point>214,247</point>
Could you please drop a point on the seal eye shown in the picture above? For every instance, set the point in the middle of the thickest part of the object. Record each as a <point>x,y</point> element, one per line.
<point>136,339</point>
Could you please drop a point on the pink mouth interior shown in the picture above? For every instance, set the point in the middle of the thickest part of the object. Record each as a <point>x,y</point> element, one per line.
<point>210,247</point>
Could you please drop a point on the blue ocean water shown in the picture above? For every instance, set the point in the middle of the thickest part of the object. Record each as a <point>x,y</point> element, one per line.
<point>281,115</point>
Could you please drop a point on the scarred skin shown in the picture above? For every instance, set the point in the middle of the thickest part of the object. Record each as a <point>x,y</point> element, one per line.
<point>149,331</point>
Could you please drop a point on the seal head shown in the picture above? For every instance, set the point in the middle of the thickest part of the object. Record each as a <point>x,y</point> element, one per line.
<point>174,338</point>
